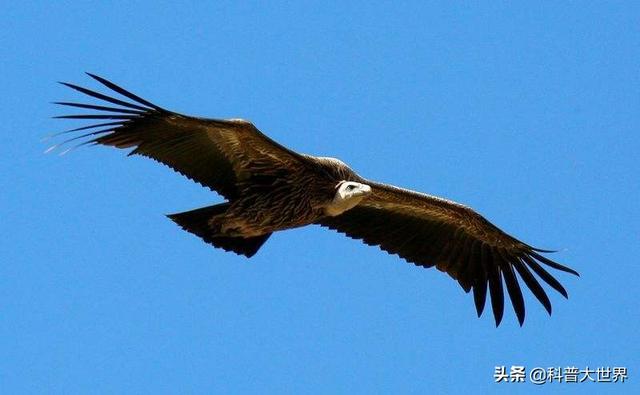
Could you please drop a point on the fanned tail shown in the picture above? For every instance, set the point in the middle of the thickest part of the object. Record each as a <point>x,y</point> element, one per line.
<point>198,222</point>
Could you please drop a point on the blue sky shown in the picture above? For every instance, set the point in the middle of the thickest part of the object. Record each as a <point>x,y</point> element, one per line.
<point>529,114</point>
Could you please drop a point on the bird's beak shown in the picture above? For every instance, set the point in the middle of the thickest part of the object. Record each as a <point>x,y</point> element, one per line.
<point>365,189</point>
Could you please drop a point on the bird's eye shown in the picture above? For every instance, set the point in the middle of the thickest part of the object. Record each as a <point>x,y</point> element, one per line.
<point>350,187</point>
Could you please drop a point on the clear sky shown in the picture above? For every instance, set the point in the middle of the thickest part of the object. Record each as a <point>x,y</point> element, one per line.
<point>529,114</point>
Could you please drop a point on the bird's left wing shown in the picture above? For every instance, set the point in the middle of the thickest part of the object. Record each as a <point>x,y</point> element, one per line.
<point>429,231</point>
<point>215,153</point>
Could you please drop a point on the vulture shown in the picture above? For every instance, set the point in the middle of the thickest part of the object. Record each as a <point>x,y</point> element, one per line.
<point>268,187</point>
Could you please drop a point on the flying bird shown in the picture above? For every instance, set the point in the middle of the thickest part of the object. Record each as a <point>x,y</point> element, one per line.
<point>268,187</point>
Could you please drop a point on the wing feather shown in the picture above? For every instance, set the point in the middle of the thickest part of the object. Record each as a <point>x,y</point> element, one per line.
<point>481,281</point>
<point>532,283</point>
<point>495,288</point>
<point>513,288</point>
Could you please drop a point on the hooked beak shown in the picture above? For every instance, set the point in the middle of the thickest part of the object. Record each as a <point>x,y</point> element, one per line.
<point>364,190</point>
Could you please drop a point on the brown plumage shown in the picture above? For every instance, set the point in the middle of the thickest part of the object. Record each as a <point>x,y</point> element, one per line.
<point>269,187</point>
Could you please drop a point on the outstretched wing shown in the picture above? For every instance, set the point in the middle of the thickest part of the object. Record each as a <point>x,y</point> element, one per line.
<point>215,153</point>
<point>430,231</point>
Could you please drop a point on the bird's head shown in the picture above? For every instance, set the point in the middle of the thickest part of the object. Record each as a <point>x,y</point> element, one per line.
<point>349,190</point>
<point>347,195</point>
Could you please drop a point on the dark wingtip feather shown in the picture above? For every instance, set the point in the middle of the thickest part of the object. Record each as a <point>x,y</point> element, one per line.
<point>533,284</point>
<point>497,298</point>
<point>511,282</point>
<point>99,108</point>
<point>498,320</point>
<point>541,250</point>
<point>480,297</point>
<point>68,84</point>
<point>480,287</point>
<point>553,264</point>
<point>515,294</point>
<point>124,92</point>
<point>94,133</point>
<point>101,96</point>
<point>97,125</point>
<point>96,116</point>
<point>496,291</point>
<point>544,275</point>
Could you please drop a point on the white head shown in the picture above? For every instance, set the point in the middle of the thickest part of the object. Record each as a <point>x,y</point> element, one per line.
<point>348,195</point>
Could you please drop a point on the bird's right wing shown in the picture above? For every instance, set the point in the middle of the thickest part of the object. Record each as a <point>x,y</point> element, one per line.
<point>215,153</point>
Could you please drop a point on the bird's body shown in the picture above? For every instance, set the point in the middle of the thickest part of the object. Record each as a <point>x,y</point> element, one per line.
<point>269,201</point>
<point>269,187</point>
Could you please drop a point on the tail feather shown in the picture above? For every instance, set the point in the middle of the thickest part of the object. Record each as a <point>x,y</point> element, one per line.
<point>198,222</point>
